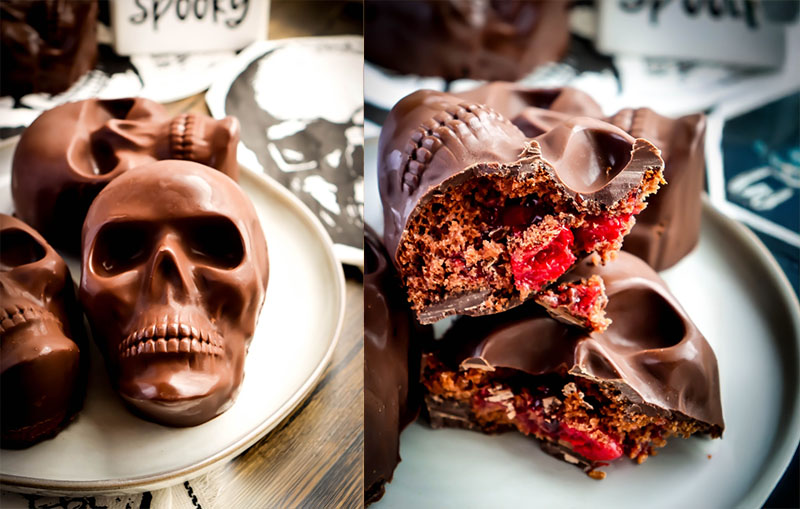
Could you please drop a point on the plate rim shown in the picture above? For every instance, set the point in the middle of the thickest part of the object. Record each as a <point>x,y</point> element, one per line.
<point>762,488</point>
<point>175,476</point>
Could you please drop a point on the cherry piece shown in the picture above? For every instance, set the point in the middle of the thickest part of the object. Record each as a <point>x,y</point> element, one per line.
<point>533,269</point>
<point>599,229</point>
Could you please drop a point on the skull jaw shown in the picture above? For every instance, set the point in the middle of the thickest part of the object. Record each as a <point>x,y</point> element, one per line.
<point>39,364</point>
<point>180,390</point>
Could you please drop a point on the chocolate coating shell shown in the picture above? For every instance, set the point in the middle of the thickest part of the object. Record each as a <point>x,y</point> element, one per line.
<point>391,367</point>
<point>46,45</point>
<point>42,341</point>
<point>173,277</point>
<point>652,352</point>
<point>433,141</point>
<point>71,152</point>
<point>462,39</point>
<point>669,228</point>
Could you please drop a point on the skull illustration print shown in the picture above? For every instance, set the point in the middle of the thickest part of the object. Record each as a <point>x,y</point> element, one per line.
<point>174,273</point>
<point>66,157</point>
<point>308,137</point>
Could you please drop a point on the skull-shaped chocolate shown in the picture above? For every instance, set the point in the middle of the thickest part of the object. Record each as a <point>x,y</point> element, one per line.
<point>41,337</point>
<point>70,153</point>
<point>174,272</point>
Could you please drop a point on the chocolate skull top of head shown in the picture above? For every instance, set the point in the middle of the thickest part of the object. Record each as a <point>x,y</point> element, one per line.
<point>174,272</point>
<point>71,152</point>
<point>41,337</point>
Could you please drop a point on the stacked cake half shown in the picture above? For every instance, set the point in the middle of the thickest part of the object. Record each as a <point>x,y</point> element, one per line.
<point>508,207</point>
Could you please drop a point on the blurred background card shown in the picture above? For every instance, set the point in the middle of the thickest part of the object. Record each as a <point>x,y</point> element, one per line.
<point>743,32</point>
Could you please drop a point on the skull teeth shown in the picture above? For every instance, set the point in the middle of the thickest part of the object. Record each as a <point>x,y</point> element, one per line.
<point>14,316</point>
<point>171,338</point>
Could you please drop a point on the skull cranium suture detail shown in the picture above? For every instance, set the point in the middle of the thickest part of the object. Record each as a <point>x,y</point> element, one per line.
<point>41,338</point>
<point>174,275</point>
<point>71,152</point>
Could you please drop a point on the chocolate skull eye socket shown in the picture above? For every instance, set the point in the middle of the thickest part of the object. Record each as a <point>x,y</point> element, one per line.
<point>120,247</point>
<point>18,248</point>
<point>214,240</point>
<point>643,319</point>
<point>118,108</point>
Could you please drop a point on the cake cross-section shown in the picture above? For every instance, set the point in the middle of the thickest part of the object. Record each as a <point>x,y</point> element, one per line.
<point>478,218</point>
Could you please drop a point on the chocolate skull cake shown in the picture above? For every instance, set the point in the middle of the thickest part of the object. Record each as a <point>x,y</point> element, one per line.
<point>466,39</point>
<point>46,45</point>
<point>392,349</point>
<point>669,228</point>
<point>71,152</point>
<point>174,273</point>
<point>590,398</point>
<point>42,341</point>
<point>479,218</point>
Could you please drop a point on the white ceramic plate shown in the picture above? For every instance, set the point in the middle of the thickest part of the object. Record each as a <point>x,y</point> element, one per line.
<point>107,449</point>
<point>741,301</point>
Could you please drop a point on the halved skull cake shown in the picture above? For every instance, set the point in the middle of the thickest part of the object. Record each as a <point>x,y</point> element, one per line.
<point>174,275</point>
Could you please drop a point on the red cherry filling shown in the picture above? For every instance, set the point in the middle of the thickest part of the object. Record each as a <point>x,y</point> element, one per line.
<point>529,418</point>
<point>599,230</point>
<point>594,445</point>
<point>578,297</point>
<point>533,269</point>
<point>521,214</point>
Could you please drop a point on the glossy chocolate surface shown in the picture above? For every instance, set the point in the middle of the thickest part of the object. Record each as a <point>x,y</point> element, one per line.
<point>71,152</point>
<point>391,366</point>
<point>652,352</point>
<point>41,338</point>
<point>174,273</point>
<point>433,141</point>
<point>46,45</point>
<point>669,228</point>
<point>466,39</point>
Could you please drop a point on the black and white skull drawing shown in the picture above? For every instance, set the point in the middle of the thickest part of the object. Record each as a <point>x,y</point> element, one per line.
<point>302,112</point>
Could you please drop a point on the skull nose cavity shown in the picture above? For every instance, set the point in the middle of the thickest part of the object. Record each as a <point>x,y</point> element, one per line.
<point>166,274</point>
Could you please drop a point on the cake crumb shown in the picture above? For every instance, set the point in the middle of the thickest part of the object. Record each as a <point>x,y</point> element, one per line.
<point>597,474</point>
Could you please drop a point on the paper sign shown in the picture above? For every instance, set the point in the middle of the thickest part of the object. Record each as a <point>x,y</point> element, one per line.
<point>744,32</point>
<point>186,26</point>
